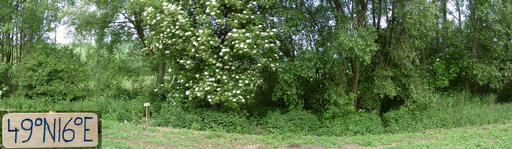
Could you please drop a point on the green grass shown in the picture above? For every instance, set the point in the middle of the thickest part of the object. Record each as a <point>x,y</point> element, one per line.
<point>470,126</point>
<point>127,135</point>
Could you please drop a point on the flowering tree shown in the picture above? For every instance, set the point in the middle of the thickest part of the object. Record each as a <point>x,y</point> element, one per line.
<point>215,50</point>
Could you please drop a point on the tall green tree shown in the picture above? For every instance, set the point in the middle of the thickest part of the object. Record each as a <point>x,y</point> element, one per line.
<point>23,25</point>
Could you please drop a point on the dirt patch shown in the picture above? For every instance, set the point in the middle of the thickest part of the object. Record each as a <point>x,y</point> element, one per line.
<point>430,138</point>
<point>354,146</point>
<point>483,128</point>
<point>252,146</point>
<point>144,144</point>
<point>167,129</point>
<point>313,147</point>
<point>419,139</point>
<point>294,145</point>
<point>299,146</point>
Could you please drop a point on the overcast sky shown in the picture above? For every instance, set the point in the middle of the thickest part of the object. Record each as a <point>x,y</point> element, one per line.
<point>62,37</point>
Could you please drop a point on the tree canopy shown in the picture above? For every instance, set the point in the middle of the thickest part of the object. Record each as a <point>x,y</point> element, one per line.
<point>328,56</point>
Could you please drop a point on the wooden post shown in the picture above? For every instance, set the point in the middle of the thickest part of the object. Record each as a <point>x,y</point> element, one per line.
<point>147,104</point>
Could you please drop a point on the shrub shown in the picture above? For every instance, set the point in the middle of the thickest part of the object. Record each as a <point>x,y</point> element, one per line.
<point>224,121</point>
<point>351,124</point>
<point>54,73</point>
<point>202,119</point>
<point>119,110</point>
<point>122,110</point>
<point>4,80</point>
<point>177,118</point>
<point>446,117</point>
<point>116,72</point>
<point>293,122</point>
<point>275,122</point>
<point>505,94</point>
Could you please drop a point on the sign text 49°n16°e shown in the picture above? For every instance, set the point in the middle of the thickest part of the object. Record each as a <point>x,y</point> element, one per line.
<point>48,130</point>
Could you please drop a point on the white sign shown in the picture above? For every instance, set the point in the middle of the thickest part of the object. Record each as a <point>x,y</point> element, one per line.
<point>48,130</point>
<point>146,104</point>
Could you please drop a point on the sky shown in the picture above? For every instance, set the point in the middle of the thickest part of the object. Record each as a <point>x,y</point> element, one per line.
<point>62,34</point>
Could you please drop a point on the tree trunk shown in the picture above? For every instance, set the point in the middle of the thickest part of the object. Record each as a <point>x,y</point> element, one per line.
<point>475,25</point>
<point>475,29</point>
<point>391,25</point>
<point>355,80</point>
<point>424,59</point>
<point>137,22</point>
<point>9,50</point>
<point>444,26</point>
<point>379,16</point>
<point>161,73</point>
<point>2,48</point>
<point>374,19</point>
<point>362,6</point>
<point>139,28</point>
<point>475,45</point>
<point>22,42</point>
<point>458,11</point>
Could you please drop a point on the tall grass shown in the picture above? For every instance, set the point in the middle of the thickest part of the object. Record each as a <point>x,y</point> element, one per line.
<point>120,110</point>
<point>450,110</point>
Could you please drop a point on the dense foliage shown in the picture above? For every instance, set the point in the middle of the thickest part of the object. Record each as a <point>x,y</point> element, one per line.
<point>317,67</point>
<point>43,75</point>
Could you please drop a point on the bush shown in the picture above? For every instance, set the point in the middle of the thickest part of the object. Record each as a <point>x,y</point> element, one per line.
<point>118,71</point>
<point>5,82</point>
<point>293,122</point>
<point>446,117</point>
<point>275,122</point>
<point>119,110</point>
<point>122,110</point>
<point>53,73</point>
<point>352,124</point>
<point>203,119</point>
<point>224,121</point>
<point>177,118</point>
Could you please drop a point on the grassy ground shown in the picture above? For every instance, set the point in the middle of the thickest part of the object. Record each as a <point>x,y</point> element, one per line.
<point>127,135</point>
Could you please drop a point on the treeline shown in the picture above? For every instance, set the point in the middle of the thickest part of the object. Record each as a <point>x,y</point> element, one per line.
<point>326,56</point>
<point>332,56</point>
<point>22,25</point>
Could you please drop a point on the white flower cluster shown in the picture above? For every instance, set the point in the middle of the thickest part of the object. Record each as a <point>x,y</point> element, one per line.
<point>212,7</point>
<point>213,67</point>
